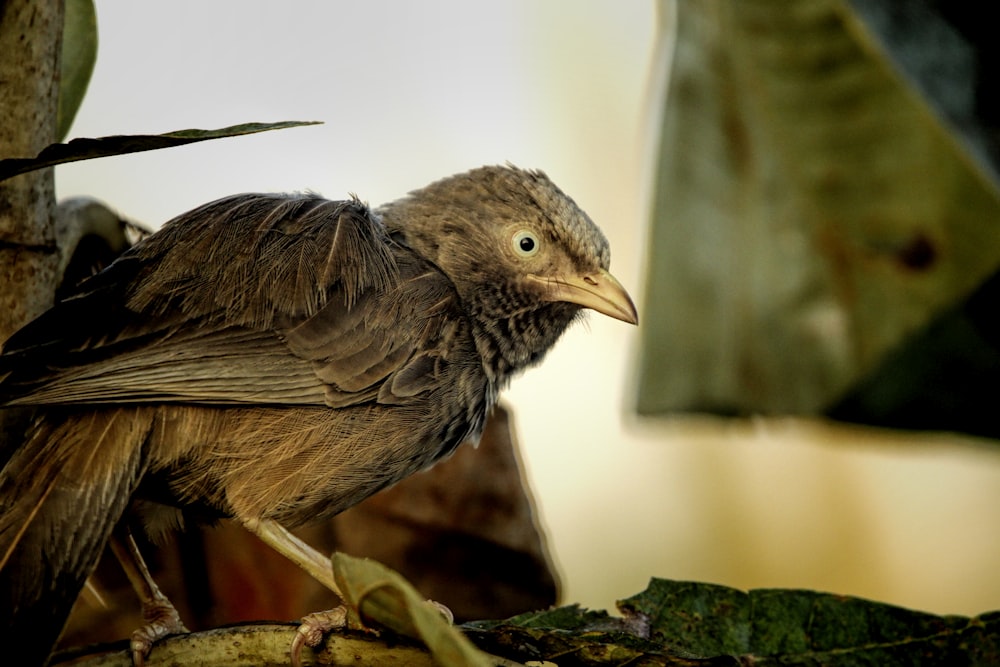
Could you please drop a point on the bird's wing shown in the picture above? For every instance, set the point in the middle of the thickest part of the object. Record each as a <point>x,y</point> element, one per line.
<point>287,300</point>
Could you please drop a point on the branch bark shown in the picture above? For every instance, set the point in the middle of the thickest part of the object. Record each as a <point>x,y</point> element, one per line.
<point>263,644</point>
<point>30,42</point>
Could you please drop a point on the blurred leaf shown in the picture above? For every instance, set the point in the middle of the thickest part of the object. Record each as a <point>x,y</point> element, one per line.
<point>383,597</point>
<point>949,53</point>
<point>86,149</point>
<point>941,378</point>
<point>811,211</point>
<point>89,235</point>
<point>79,53</point>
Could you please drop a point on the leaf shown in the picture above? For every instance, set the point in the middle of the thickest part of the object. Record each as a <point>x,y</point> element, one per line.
<point>588,637</point>
<point>79,53</point>
<point>781,626</point>
<point>688,623</point>
<point>569,617</point>
<point>947,52</point>
<point>86,149</point>
<point>811,211</point>
<point>382,596</point>
<point>942,378</point>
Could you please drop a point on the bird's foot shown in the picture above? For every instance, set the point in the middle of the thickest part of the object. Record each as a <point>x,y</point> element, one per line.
<point>161,620</point>
<point>314,627</point>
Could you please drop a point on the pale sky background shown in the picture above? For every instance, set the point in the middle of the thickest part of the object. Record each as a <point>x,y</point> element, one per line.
<point>414,91</point>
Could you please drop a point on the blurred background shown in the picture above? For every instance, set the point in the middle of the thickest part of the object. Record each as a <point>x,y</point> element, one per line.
<point>411,92</point>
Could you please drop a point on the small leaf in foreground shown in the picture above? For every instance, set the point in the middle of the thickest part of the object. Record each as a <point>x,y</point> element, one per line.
<point>86,149</point>
<point>380,595</point>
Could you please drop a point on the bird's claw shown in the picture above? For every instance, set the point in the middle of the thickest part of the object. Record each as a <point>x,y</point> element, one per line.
<point>161,620</point>
<point>443,610</point>
<point>314,627</point>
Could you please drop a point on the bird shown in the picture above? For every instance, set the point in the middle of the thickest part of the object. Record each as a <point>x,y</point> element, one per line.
<point>276,358</point>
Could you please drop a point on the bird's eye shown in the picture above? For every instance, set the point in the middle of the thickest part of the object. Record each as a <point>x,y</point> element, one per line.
<point>525,243</point>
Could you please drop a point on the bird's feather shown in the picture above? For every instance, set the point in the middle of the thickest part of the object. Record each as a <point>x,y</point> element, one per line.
<point>268,300</point>
<point>52,528</point>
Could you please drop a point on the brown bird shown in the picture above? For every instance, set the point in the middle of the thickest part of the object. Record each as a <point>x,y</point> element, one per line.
<point>277,359</point>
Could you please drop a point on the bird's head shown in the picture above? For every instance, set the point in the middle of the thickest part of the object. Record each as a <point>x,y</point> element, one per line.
<point>523,256</point>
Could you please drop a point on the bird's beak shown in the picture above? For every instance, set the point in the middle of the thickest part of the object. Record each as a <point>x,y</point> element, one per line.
<point>598,291</point>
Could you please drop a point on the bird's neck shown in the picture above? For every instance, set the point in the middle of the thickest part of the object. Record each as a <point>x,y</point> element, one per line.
<point>509,345</point>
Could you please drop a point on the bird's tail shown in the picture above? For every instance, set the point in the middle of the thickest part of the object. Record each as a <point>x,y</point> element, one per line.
<point>61,493</point>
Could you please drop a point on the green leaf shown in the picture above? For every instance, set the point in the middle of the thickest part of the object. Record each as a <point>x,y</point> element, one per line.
<point>570,617</point>
<point>810,210</point>
<point>382,596</point>
<point>86,149</point>
<point>688,623</point>
<point>589,638</point>
<point>708,620</point>
<point>79,52</point>
<point>780,626</point>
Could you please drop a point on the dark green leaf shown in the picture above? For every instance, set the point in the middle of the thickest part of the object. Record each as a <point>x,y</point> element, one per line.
<point>940,378</point>
<point>570,648</point>
<point>85,149</point>
<point>777,626</point>
<point>686,623</point>
<point>706,619</point>
<point>79,52</point>
<point>570,617</point>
